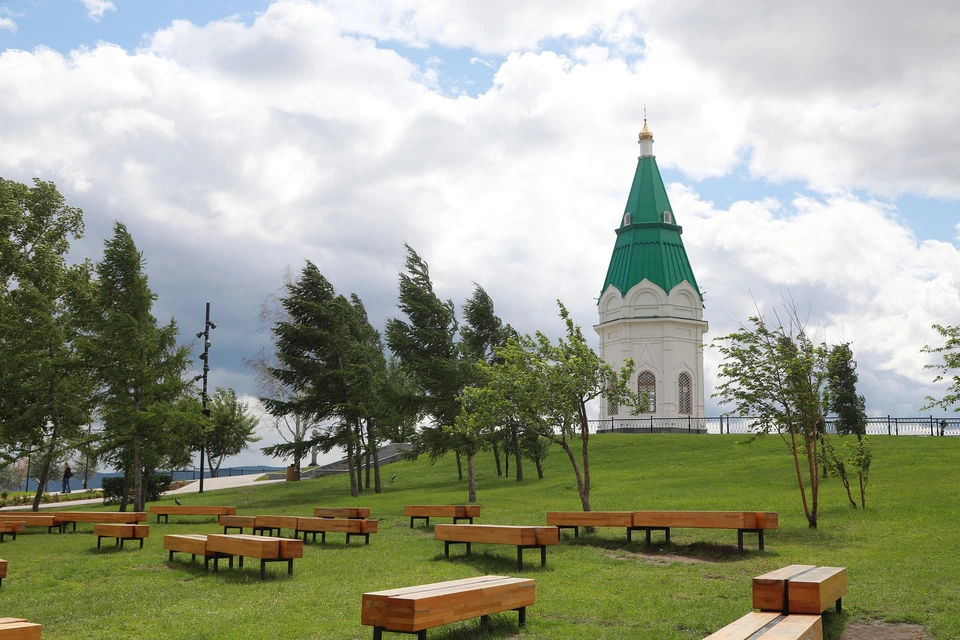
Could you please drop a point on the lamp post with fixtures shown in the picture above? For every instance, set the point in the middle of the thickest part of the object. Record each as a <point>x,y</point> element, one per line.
<point>205,356</point>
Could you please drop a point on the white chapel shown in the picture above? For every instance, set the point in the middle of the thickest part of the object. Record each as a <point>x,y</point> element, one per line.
<point>650,307</point>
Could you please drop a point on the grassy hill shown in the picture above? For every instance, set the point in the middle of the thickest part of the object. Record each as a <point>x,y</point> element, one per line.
<point>901,553</point>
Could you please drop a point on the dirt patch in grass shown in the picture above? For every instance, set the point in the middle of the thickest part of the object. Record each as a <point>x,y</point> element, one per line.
<point>887,631</point>
<point>659,558</point>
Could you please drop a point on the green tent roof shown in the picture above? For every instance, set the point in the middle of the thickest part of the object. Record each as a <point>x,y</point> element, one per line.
<point>647,246</point>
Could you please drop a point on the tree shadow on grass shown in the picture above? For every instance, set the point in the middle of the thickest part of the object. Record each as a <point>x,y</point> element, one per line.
<point>500,625</point>
<point>496,564</point>
<point>660,551</point>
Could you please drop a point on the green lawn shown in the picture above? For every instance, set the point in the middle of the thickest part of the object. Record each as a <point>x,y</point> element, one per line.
<point>901,555</point>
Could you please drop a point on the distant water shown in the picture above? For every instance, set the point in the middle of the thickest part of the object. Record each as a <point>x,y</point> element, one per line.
<point>76,482</point>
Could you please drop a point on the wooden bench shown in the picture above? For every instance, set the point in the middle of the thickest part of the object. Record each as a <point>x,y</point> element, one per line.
<point>456,511</point>
<point>264,548</point>
<point>183,510</point>
<point>12,527</point>
<point>238,522</point>
<point>576,519</point>
<point>342,512</point>
<point>3,570</point>
<point>323,526</point>
<point>121,532</point>
<point>118,517</point>
<point>416,609</point>
<point>18,629</point>
<point>32,520</point>
<point>194,544</point>
<point>800,588</point>
<point>743,521</point>
<point>771,626</point>
<point>522,537</point>
<point>270,524</point>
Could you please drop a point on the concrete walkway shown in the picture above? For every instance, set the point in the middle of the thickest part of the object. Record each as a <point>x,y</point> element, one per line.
<point>209,484</point>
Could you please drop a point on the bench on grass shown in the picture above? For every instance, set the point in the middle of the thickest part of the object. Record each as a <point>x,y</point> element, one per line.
<point>576,519</point>
<point>800,588</point>
<point>3,570</point>
<point>743,521</point>
<point>238,522</point>
<point>32,520</point>
<point>342,512</point>
<point>416,609</point>
<point>323,526</point>
<point>183,510</point>
<point>456,511</point>
<point>266,525</point>
<point>12,527</point>
<point>120,517</point>
<point>121,532</point>
<point>264,548</point>
<point>771,626</point>
<point>194,544</point>
<point>18,629</point>
<point>522,537</point>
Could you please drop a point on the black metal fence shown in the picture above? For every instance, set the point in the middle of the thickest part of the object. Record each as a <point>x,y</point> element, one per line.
<point>193,473</point>
<point>883,425</point>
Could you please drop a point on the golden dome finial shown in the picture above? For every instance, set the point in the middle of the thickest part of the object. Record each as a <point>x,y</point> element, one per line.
<point>645,133</point>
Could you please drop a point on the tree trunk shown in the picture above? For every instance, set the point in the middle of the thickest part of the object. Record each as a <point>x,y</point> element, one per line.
<point>496,457</point>
<point>42,478</point>
<point>377,487</point>
<point>506,464</point>
<point>539,464</point>
<point>358,465</point>
<point>516,452</point>
<point>44,475</point>
<point>366,483</point>
<point>823,457</point>
<point>863,493</point>
<point>472,479</point>
<point>137,470</point>
<point>585,444</point>
<point>584,495</point>
<point>353,478</point>
<point>459,468</point>
<point>213,469</point>
<point>125,489</point>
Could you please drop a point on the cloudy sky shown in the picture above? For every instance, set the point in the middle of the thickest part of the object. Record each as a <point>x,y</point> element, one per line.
<point>809,148</point>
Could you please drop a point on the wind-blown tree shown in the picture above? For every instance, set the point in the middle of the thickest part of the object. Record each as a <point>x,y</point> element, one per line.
<point>232,428</point>
<point>426,348</point>
<point>140,368</point>
<point>777,374</point>
<point>948,369</point>
<point>841,399</point>
<point>546,387</point>
<point>295,429</point>
<point>482,333</point>
<point>45,396</point>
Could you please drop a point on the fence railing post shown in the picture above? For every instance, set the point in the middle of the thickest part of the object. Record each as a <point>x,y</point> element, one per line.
<point>888,424</point>
<point>896,426</point>
<point>931,427</point>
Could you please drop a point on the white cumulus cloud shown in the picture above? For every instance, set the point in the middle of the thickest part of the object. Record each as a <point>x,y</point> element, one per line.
<point>96,8</point>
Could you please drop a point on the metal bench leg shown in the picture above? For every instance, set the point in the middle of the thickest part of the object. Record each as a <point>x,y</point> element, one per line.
<point>543,556</point>
<point>629,535</point>
<point>314,537</point>
<point>230,563</point>
<point>648,537</point>
<point>411,526</point>
<point>839,605</point>
<point>171,553</point>
<point>760,533</point>
<point>120,542</point>
<point>193,557</point>
<point>99,538</point>
<point>740,540</point>
<point>290,567</point>
<point>141,543</point>
<point>263,569</point>
<point>366,538</point>
<point>484,621</point>
<point>519,558</point>
<point>667,533</point>
<point>216,563</point>
<point>206,563</point>
<point>239,563</point>
<point>523,617</point>
<point>378,633</point>
<point>422,635</point>
<point>446,548</point>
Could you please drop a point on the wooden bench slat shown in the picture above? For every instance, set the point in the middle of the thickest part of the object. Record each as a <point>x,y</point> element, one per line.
<point>590,518</point>
<point>237,521</point>
<point>341,512</point>
<point>20,631</point>
<point>276,522</point>
<point>3,568</point>
<point>194,544</point>
<point>809,589</point>
<point>771,626</point>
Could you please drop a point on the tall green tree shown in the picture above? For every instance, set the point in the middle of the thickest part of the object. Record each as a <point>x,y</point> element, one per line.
<point>425,345</point>
<point>232,428</point>
<point>948,369</point>
<point>849,407</point>
<point>546,386</point>
<point>777,374</point>
<point>45,398</point>
<point>139,366</point>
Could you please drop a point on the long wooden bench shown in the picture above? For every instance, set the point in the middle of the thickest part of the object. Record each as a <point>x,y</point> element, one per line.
<point>121,532</point>
<point>120,517</point>
<point>18,629</point>
<point>800,588</point>
<point>743,521</point>
<point>522,537</point>
<point>342,512</point>
<point>576,519</point>
<point>266,525</point>
<point>323,526</point>
<point>3,570</point>
<point>32,520</point>
<point>264,548</point>
<point>238,522</point>
<point>185,510</point>
<point>12,527</point>
<point>416,609</point>
<point>456,511</point>
<point>194,544</point>
<point>771,626</point>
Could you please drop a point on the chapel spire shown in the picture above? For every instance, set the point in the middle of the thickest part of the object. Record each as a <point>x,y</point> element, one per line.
<point>646,137</point>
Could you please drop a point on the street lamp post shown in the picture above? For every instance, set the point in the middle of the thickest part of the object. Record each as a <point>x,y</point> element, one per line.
<point>205,356</point>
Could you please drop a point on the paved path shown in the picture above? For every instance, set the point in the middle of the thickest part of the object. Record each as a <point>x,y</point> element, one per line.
<point>209,484</point>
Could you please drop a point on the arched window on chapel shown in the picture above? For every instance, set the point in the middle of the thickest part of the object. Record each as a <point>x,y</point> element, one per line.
<point>647,383</point>
<point>684,393</point>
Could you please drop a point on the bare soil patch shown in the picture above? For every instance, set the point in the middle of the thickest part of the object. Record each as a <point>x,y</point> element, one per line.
<point>885,631</point>
<point>658,558</point>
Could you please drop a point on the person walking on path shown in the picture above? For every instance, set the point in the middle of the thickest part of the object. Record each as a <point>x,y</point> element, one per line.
<point>67,474</point>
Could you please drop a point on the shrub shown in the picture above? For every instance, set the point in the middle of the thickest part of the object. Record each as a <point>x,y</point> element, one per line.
<point>157,483</point>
